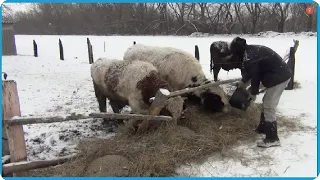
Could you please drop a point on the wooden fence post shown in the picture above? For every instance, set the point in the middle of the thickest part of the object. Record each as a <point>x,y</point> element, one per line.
<point>291,64</point>
<point>61,50</point>
<point>196,52</point>
<point>35,49</point>
<point>11,108</point>
<point>90,53</point>
<point>5,143</point>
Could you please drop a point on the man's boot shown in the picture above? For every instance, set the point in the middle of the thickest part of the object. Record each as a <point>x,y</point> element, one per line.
<point>272,139</point>
<point>260,128</point>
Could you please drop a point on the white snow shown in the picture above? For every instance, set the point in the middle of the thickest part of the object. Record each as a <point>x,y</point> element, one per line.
<point>48,86</point>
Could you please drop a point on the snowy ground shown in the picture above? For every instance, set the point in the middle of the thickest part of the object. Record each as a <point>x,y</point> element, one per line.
<point>49,87</point>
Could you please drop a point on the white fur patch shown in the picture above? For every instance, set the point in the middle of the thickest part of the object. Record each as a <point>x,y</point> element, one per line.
<point>175,65</point>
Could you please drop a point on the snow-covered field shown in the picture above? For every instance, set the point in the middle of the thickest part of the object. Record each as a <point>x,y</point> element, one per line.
<point>50,87</point>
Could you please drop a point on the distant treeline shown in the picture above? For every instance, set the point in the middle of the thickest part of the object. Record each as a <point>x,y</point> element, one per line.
<point>163,18</point>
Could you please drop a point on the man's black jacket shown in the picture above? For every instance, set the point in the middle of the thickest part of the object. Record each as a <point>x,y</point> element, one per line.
<point>262,64</point>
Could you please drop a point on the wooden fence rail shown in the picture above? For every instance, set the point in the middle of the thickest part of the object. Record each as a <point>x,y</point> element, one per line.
<point>37,120</point>
<point>29,165</point>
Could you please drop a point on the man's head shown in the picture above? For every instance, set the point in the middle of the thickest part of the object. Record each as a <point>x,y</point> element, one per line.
<point>238,46</point>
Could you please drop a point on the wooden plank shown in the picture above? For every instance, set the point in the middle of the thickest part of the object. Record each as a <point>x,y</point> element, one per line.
<point>130,116</point>
<point>11,107</point>
<point>38,120</point>
<point>29,165</point>
<point>189,90</point>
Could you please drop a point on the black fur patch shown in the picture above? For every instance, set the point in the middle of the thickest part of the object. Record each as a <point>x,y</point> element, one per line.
<point>150,85</point>
<point>194,79</point>
<point>212,102</point>
<point>193,99</point>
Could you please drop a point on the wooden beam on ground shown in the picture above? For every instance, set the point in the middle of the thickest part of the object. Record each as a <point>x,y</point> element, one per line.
<point>29,165</point>
<point>11,107</point>
<point>130,116</point>
<point>38,120</point>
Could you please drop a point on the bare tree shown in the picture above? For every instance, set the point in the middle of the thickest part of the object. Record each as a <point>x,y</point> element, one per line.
<point>280,10</point>
<point>240,16</point>
<point>254,12</point>
<point>161,18</point>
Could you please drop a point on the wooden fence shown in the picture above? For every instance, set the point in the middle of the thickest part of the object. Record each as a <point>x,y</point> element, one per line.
<point>61,52</point>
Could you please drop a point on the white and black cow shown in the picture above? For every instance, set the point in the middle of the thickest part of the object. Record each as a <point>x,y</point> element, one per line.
<point>124,83</point>
<point>181,70</point>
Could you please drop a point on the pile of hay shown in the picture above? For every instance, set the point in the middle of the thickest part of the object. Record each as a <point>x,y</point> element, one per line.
<point>160,152</point>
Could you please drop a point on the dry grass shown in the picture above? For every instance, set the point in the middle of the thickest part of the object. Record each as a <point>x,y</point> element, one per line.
<point>160,152</point>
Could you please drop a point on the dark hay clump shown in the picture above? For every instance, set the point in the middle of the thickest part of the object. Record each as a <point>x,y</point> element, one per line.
<point>160,152</point>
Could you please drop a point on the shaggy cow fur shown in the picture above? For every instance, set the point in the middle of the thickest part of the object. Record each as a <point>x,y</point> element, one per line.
<point>180,69</point>
<point>221,57</point>
<point>125,83</point>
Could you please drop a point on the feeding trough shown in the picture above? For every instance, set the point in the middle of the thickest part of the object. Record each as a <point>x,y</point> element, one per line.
<point>240,98</point>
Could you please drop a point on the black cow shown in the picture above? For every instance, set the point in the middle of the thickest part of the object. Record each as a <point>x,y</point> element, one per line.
<point>221,57</point>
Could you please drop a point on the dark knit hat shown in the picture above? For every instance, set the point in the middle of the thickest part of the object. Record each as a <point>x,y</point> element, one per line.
<point>238,45</point>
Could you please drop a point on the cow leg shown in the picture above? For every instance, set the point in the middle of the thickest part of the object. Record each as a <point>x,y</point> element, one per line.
<point>102,100</point>
<point>216,70</point>
<point>116,107</point>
